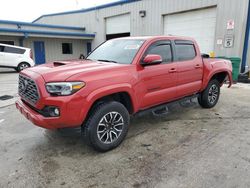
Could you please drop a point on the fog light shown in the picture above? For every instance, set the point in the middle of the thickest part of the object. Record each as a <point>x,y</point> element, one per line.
<point>56,111</point>
<point>51,111</point>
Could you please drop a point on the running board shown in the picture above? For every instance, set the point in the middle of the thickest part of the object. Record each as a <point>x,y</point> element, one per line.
<point>188,103</point>
<point>162,110</point>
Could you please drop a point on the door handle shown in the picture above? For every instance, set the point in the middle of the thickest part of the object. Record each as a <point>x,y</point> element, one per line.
<point>172,70</point>
<point>197,66</point>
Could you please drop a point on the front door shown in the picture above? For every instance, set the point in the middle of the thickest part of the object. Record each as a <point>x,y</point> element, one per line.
<point>158,81</point>
<point>39,50</point>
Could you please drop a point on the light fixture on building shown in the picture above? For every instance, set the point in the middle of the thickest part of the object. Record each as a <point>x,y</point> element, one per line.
<point>142,13</point>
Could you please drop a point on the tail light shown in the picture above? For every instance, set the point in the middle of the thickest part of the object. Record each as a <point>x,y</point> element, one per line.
<point>31,54</point>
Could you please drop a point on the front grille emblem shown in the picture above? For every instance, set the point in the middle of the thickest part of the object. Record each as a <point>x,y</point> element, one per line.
<point>27,89</point>
<point>24,85</point>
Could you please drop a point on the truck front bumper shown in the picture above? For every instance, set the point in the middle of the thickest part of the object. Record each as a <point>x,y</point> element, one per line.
<point>32,116</point>
<point>68,116</point>
<point>71,109</point>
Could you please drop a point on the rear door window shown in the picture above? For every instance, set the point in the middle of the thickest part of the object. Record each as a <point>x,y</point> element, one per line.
<point>1,48</point>
<point>162,48</point>
<point>13,50</point>
<point>185,50</point>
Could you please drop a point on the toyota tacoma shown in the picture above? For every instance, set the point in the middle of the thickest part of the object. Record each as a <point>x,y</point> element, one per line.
<point>120,78</point>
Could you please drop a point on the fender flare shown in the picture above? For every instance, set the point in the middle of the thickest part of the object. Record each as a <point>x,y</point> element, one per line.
<point>106,91</point>
<point>210,76</point>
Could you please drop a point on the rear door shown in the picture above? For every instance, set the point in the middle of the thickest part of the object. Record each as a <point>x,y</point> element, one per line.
<point>158,82</point>
<point>2,56</point>
<point>189,68</point>
<point>12,55</point>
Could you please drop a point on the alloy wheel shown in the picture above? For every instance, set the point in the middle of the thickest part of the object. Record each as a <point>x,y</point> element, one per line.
<point>23,66</point>
<point>110,127</point>
<point>213,94</point>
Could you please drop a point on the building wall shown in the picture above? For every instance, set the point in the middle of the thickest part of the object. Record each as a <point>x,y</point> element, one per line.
<point>40,28</point>
<point>53,47</point>
<point>236,10</point>
<point>152,24</point>
<point>10,38</point>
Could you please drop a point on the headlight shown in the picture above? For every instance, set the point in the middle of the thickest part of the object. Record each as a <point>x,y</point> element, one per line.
<point>64,88</point>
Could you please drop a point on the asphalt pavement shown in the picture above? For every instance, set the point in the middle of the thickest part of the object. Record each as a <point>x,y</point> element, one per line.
<point>8,86</point>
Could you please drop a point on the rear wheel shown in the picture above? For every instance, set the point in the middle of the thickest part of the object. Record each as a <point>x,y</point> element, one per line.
<point>210,96</point>
<point>106,126</point>
<point>22,66</point>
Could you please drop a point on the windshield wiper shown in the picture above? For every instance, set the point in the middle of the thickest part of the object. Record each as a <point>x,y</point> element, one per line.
<point>105,60</point>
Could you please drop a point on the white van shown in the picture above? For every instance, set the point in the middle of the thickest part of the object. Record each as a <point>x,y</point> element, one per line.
<point>15,57</point>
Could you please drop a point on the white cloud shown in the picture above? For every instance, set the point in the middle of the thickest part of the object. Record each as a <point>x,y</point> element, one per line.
<point>28,10</point>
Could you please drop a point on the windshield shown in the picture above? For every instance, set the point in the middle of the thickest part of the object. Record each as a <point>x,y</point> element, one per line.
<point>120,51</point>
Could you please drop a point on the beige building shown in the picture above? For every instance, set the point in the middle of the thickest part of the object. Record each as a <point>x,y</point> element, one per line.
<point>48,42</point>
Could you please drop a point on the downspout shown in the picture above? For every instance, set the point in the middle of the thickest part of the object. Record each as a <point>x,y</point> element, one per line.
<point>244,65</point>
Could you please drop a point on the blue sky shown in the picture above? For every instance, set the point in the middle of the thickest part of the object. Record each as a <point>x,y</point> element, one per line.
<point>28,10</point>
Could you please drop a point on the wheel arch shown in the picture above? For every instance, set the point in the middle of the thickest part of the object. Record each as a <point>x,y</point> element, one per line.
<point>24,62</point>
<point>124,95</point>
<point>220,76</point>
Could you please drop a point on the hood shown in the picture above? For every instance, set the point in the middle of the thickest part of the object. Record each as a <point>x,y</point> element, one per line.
<point>62,70</point>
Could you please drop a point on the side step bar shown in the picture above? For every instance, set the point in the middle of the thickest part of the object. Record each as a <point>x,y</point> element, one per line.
<point>162,110</point>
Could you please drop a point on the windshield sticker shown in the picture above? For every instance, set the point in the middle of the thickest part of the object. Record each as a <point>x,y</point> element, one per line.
<point>132,47</point>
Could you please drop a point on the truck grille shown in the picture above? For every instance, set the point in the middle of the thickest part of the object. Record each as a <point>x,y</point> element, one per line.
<point>27,89</point>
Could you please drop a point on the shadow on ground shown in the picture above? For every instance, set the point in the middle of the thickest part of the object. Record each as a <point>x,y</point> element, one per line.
<point>69,140</point>
<point>7,71</point>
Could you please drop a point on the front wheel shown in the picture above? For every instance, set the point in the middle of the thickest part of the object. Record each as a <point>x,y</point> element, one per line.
<point>22,66</point>
<point>107,126</point>
<point>210,96</point>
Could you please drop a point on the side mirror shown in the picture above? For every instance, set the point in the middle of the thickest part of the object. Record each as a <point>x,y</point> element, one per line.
<point>151,59</point>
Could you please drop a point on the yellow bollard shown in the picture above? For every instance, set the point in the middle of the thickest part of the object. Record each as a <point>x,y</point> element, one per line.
<point>212,54</point>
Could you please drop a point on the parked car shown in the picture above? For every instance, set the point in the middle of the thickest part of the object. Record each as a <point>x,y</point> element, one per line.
<point>15,57</point>
<point>120,78</point>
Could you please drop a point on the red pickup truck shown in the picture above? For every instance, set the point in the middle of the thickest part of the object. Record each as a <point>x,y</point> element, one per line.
<point>120,78</point>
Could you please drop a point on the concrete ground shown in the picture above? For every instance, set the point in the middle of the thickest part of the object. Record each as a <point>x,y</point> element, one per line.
<point>190,147</point>
<point>8,83</point>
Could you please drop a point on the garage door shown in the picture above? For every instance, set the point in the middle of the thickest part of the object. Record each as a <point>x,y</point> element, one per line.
<point>199,24</point>
<point>118,24</point>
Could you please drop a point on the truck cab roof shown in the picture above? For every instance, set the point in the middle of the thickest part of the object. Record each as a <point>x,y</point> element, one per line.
<point>165,37</point>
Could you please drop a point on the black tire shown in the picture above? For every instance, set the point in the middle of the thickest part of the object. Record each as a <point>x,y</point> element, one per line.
<point>22,66</point>
<point>210,96</point>
<point>96,123</point>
